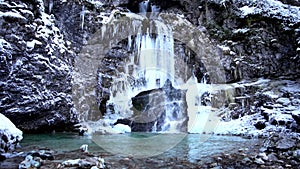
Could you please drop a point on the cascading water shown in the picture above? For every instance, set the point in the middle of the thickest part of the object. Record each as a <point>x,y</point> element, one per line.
<point>151,74</point>
<point>150,68</point>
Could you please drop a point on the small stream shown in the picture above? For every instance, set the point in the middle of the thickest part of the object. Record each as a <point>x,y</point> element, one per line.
<point>182,146</point>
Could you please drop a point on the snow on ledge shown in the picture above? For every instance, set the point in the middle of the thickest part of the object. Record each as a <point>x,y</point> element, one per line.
<point>270,8</point>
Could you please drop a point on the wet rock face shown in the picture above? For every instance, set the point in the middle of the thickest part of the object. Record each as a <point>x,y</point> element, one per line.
<point>151,109</point>
<point>35,79</point>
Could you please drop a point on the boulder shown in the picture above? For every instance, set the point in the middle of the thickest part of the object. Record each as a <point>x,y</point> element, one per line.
<point>10,136</point>
<point>285,144</point>
<point>296,116</point>
<point>260,125</point>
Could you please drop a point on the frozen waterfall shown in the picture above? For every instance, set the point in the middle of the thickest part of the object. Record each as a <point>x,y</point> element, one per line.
<point>150,74</point>
<point>147,78</point>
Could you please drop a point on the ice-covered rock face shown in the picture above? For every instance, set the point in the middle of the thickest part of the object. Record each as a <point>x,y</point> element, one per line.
<point>35,68</point>
<point>10,136</point>
<point>136,53</point>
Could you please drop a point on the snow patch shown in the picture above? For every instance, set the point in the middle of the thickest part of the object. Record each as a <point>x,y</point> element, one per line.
<point>10,135</point>
<point>96,3</point>
<point>225,49</point>
<point>14,15</point>
<point>4,44</point>
<point>246,10</point>
<point>270,8</point>
<point>271,94</point>
<point>121,128</point>
<point>31,44</point>
<point>242,31</point>
<point>283,101</point>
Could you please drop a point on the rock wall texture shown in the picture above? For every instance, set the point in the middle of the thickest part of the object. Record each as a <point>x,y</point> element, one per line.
<point>39,41</point>
<point>36,66</point>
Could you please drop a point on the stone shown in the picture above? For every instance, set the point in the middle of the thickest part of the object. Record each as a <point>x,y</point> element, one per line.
<point>260,125</point>
<point>44,154</point>
<point>263,156</point>
<point>101,163</point>
<point>78,163</point>
<point>283,101</point>
<point>246,160</point>
<point>85,163</point>
<point>296,116</point>
<point>29,163</point>
<point>259,161</point>
<point>296,153</point>
<point>272,157</point>
<point>288,166</point>
<point>2,157</point>
<point>84,148</point>
<point>285,144</point>
<point>147,102</point>
<point>295,102</point>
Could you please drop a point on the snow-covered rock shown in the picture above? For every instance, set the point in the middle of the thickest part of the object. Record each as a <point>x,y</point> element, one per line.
<point>10,136</point>
<point>97,162</point>
<point>270,109</point>
<point>35,73</point>
<point>29,163</point>
<point>121,128</point>
<point>268,8</point>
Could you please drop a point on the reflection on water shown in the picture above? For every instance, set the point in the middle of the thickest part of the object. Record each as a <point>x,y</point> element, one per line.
<point>183,146</point>
<point>60,142</point>
<point>192,149</point>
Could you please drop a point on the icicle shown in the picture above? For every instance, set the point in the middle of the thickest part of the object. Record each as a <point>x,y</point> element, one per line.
<point>50,6</point>
<point>129,43</point>
<point>154,11</point>
<point>155,8</point>
<point>143,6</point>
<point>82,15</point>
<point>204,80</point>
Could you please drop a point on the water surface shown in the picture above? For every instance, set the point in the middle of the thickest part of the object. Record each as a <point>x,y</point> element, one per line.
<point>184,146</point>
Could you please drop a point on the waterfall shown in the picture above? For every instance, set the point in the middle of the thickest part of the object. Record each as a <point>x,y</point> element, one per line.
<point>149,79</point>
<point>148,68</point>
<point>145,75</point>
